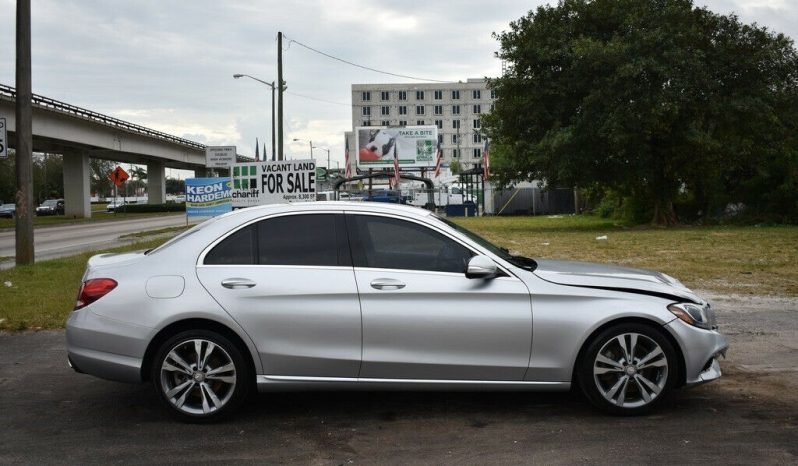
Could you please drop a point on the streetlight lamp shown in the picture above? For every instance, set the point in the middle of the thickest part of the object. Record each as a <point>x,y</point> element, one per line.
<point>310,143</point>
<point>271,84</point>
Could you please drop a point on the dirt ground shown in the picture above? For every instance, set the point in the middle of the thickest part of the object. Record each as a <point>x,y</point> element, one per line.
<point>51,415</point>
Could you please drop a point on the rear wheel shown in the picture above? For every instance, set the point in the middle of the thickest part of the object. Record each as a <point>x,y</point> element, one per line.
<point>628,369</point>
<point>201,376</point>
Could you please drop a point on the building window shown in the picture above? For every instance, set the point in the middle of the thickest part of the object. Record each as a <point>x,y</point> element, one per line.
<point>385,95</point>
<point>366,123</point>
<point>402,95</point>
<point>455,109</point>
<point>455,95</point>
<point>492,106</point>
<point>477,108</point>
<point>419,109</point>
<point>439,124</point>
<point>403,110</point>
<point>366,96</point>
<point>438,109</point>
<point>420,122</point>
<point>385,123</point>
<point>402,122</point>
<point>476,124</point>
<point>455,153</point>
<point>476,94</point>
<point>385,110</point>
<point>419,95</point>
<point>477,138</point>
<point>477,152</point>
<point>455,139</point>
<point>455,124</point>
<point>438,95</point>
<point>366,111</point>
<point>493,94</point>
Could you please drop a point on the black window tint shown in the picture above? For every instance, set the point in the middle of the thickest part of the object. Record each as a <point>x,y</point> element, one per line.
<point>299,240</point>
<point>236,249</point>
<point>382,242</point>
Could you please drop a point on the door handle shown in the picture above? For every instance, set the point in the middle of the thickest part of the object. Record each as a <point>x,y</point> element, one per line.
<point>387,284</point>
<point>237,283</point>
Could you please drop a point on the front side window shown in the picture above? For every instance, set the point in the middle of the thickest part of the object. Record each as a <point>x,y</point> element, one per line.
<point>389,243</point>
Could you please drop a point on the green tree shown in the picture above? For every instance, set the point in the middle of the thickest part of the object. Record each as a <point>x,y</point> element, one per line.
<point>649,98</point>
<point>99,171</point>
<point>175,186</point>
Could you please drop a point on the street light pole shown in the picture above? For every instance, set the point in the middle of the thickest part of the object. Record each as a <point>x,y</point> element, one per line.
<point>310,143</point>
<point>271,84</point>
<point>328,155</point>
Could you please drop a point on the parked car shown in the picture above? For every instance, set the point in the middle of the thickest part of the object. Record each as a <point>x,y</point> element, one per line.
<point>51,207</point>
<point>115,205</point>
<point>8,210</point>
<point>391,197</point>
<point>353,294</point>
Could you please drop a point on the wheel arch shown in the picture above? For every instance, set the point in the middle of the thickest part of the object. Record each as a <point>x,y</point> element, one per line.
<point>192,324</point>
<point>633,320</point>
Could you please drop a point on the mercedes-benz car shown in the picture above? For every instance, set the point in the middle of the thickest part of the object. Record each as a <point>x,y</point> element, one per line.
<point>366,295</point>
<point>51,207</point>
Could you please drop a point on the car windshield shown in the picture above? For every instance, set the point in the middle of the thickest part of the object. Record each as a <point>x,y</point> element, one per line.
<point>519,261</point>
<point>50,203</point>
<point>7,206</point>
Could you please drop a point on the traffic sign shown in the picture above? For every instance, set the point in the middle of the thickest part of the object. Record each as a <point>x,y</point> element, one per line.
<point>3,139</point>
<point>118,176</point>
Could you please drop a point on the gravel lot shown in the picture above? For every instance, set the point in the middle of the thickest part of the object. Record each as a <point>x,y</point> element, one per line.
<point>51,415</point>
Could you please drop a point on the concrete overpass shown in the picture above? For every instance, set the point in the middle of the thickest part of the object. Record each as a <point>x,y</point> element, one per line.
<point>79,134</point>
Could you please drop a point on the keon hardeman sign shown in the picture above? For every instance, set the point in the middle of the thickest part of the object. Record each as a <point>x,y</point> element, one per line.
<point>208,197</point>
<point>280,182</point>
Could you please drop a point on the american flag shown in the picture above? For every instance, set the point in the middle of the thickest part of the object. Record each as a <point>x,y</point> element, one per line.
<point>395,167</point>
<point>438,161</point>
<point>486,161</point>
<point>348,170</point>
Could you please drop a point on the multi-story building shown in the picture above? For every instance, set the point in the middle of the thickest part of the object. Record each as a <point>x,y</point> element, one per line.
<point>455,108</point>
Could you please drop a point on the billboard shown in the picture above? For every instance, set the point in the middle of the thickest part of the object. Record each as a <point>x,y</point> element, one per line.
<point>276,182</point>
<point>208,197</point>
<point>220,156</point>
<point>415,146</point>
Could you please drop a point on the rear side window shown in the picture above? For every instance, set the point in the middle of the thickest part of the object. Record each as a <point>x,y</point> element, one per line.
<point>309,239</point>
<point>237,249</point>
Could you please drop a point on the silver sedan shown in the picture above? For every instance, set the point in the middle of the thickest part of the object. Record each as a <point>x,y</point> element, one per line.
<point>353,295</point>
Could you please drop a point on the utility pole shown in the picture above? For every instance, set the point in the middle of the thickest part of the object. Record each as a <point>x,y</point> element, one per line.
<point>24,132</point>
<point>274,156</point>
<point>280,83</point>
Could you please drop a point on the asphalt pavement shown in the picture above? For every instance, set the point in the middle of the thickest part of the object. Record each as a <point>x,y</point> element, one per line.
<point>57,241</point>
<point>49,414</point>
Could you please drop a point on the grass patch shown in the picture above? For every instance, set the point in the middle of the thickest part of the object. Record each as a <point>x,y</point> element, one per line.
<point>42,295</point>
<point>725,259</point>
<point>95,216</point>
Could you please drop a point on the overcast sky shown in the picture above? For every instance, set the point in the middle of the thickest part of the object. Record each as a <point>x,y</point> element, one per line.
<point>168,64</point>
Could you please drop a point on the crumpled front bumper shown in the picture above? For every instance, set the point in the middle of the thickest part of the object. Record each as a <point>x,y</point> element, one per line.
<point>702,350</point>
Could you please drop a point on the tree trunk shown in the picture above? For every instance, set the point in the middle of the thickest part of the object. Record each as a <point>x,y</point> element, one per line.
<point>664,214</point>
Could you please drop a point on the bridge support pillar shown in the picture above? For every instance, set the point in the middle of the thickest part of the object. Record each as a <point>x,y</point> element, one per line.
<point>77,196</point>
<point>200,172</point>
<point>156,183</point>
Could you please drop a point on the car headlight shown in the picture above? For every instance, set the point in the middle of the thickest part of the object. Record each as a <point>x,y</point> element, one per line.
<point>695,314</point>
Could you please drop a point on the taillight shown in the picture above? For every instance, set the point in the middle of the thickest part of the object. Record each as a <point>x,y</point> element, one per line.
<point>92,290</point>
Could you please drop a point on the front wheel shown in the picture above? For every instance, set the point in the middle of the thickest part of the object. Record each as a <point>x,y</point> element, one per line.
<point>628,369</point>
<point>201,376</point>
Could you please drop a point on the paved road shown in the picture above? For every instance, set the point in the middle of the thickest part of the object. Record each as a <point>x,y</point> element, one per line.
<point>58,241</point>
<point>48,414</point>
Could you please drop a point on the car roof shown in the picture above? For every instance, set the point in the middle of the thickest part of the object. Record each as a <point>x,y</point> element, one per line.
<point>376,207</point>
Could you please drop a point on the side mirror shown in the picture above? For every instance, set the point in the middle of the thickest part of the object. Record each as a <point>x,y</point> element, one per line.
<point>481,267</point>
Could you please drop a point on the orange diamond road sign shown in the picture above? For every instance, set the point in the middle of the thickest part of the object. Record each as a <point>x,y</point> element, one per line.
<point>118,176</point>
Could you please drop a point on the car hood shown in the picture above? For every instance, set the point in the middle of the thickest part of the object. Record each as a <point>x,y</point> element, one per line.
<point>611,277</point>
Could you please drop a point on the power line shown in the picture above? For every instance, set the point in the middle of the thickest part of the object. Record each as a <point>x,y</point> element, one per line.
<point>292,41</point>
<point>316,98</point>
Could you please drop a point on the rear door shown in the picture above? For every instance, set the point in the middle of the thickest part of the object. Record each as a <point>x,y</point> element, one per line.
<point>422,318</point>
<point>289,282</point>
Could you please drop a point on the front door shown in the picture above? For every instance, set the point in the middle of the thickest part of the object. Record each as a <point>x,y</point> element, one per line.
<point>422,318</point>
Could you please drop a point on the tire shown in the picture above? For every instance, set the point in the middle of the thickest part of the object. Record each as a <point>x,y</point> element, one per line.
<point>201,388</point>
<point>617,387</point>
